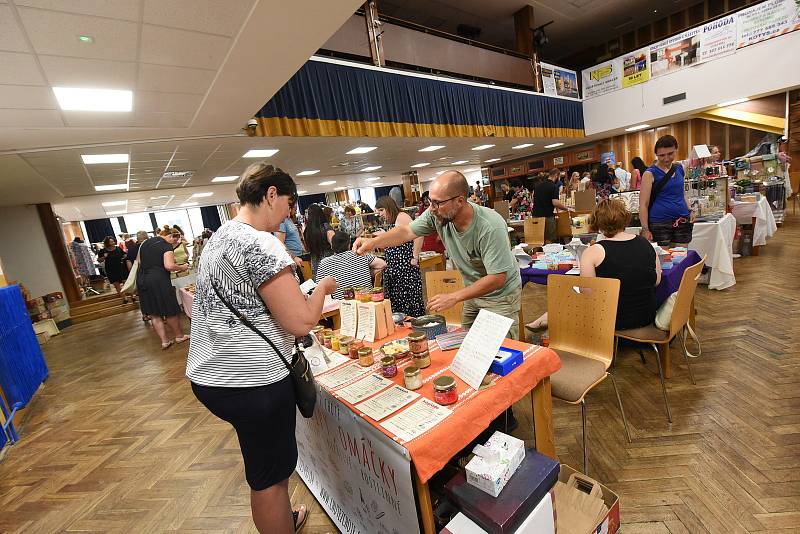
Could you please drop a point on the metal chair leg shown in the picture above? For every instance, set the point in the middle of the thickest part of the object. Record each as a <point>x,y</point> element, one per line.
<point>622,411</point>
<point>585,452</point>
<point>616,351</point>
<point>663,385</point>
<point>686,355</point>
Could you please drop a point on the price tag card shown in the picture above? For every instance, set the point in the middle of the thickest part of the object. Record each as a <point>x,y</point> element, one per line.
<point>366,387</point>
<point>366,322</point>
<point>343,375</point>
<point>349,315</point>
<point>479,347</point>
<point>386,403</point>
<point>416,420</point>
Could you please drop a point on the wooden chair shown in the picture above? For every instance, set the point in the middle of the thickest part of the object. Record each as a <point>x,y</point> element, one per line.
<point>581,315</point>
<point>534,231</point>
<point>660,339</point>
<point>563,224</point>
<point>305,268</point>
<point>438,282</point>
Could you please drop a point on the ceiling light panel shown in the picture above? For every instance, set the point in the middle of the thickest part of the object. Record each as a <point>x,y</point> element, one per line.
<point>492,160</point>
<point>370,169</point>
<point>308,173</point>
<point>460,162</point>
<point>481,147</point>
<point>431,148</point>
<point>523,145</point>
<point>78,99</point>
<point>554,145</point>
<point>329,182</point>
<point>201,195</point>
<point>637,127</point>
<point>225,178</point>
<point>418,165</point>
<point>115,203</point>
<point>97,159</point>
<point>362,150</point>
<point>114,187</point>
<point>261,153</point>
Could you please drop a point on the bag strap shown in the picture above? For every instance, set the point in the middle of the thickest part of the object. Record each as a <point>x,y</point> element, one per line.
<point>661,184</point>
<point>696,340</point>
<point>245,321</point>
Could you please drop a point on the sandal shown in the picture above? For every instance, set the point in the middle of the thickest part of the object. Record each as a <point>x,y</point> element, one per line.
<point>179,340</point>
<point>165,346</point>
<point>298,526</point>
<point>538,324</point>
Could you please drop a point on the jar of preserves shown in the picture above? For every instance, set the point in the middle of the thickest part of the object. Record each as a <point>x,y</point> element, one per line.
<point>418,342</point>
<point>444,390</point>
<point>365,357</point>
<point>354,346</point>
<point>317,331</point>
<point>363,294</point>
<point>335,342</point>
<point>422,359</point>
<point>388,366</point>
<point>377,294</point>
<point>413,378</point>
<point>349,293</point>
<point>327,341</point>
<point>344,345</point>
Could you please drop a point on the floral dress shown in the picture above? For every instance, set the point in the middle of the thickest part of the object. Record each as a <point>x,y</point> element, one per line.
<point>524,202</point>
<point>402,282</point>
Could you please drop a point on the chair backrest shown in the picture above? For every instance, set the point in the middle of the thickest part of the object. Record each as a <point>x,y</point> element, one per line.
<point>534,230</point>
<point>305,268</point>
<point>581,314</point>
<point>683,302</point>
<point>438,282</point>
<point>563,224</point>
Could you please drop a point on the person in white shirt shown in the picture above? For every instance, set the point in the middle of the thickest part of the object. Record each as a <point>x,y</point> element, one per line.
<point>623,176</point>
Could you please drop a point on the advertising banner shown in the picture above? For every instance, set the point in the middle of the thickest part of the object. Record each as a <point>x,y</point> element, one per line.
<point>675,53</point>
<point>634,68</point>
<point>360,477</point>
<point>766,20</point>
<point>559,82</point>
<point>717,38</point>
<point>602,79</point>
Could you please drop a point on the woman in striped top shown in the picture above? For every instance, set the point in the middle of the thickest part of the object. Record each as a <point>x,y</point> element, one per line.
<point>233,371</point>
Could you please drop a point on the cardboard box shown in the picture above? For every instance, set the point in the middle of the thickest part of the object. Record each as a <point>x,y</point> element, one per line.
<point>572,518</point>
<point>55,303</point>
<point>48,326</point>
<point>52,297</point>
<point>495,462</point>
<point>42,337</point>
<point>40,317</point>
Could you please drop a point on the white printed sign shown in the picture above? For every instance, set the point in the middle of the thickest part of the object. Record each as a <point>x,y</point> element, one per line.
<point>479,347</point>
<point>601,79</point>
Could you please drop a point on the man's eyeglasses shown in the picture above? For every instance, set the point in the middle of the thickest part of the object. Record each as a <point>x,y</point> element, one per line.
<point>436,204</point>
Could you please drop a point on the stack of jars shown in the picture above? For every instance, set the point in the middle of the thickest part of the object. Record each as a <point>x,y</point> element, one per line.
<point>418,343</point>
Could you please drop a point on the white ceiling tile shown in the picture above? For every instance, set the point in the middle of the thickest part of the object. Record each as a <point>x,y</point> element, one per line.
<point>77,72</point>
<point>145,101</point>
<point>89,119</point>
<point>26,97</point>
<point>162,120</point>
<point>11,36</point>
<point>19,69</point>
<point>182,48</point>
<point>210,16</point>
<point>57,34</point>
<point>174,79</point>
<point>115,9</point>
<point>39,118</point>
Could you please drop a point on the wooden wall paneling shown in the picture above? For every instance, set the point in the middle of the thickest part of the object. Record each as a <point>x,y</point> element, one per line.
<point>618,146</point>
<point>661,28</point>
<point>716,136</point>
<point>681,132</point>
<point>735,4</point>
<point>634,147</point>
<point>697,14</point>
<point>648,142</point>
<point>54,234</point>
<point>794,127</point>
<point>715,8</point>
<point>699,132</point>
<point>736,141</point>
<point>643,36</point>
<point>677,22</point>
<point>629,41</point>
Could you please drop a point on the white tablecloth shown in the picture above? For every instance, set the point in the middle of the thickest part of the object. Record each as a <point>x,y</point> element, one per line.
<point>715,241</point>
<point>765,226</point>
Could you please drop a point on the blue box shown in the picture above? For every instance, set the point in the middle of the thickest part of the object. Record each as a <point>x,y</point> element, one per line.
<point>506,361</point>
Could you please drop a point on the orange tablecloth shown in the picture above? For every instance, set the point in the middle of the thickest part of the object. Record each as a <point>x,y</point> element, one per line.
<point>473,412</point>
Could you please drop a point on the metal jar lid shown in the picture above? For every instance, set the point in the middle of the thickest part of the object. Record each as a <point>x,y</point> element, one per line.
<point>444,382</point>
<point>417,336</point>
<point>365,351</point>
<point>411,371</point>
<point>387,361</point>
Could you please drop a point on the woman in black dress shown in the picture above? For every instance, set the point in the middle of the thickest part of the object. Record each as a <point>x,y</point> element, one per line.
<point>156,294</point>
<point>402,280</point>
<point>318,235</point>
<point>115,266</point>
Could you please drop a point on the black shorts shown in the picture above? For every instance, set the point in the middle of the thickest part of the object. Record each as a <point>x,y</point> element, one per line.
<point>667,232</point>
<point>264,420</point>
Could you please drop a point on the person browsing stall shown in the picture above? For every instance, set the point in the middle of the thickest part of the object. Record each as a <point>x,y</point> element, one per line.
<point>545,198</point>
<point>476,239</point>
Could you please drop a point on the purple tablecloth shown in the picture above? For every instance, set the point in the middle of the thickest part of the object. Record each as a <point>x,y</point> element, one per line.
<point>670,278</point>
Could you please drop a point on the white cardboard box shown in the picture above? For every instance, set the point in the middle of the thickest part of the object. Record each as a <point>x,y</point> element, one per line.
<point>540,521</point>
<point>495,462</point>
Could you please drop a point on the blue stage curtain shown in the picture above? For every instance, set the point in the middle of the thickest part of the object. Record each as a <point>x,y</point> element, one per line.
<point>98,229</point>
<point>305,201</point>
<point>211,218</point>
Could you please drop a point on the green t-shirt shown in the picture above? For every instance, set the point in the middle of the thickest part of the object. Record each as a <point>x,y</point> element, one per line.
<point>481,249</point>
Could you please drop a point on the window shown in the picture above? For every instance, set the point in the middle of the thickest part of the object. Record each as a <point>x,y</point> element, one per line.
<point>195,220</point>
<point>136,222</point>
<point>179,217</point>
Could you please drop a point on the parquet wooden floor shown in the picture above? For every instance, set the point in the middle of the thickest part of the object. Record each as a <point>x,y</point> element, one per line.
<point>116,442</point>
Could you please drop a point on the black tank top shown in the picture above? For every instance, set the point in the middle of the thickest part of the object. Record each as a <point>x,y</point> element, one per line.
<point>633,263</point>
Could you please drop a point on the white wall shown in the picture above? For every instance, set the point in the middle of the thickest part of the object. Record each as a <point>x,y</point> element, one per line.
<point>757,70</point>
<point>24,251</point>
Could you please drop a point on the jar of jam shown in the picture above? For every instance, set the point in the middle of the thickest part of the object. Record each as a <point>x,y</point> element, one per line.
<point>354,346</point>
<point>444,390</point>
<point>349,293</point>
<point>317,331</point>
<point>327,341</point>
<point>418,342</point>
<point>388,366</point>
<point>364,294</point>
<point>335,342</point>
<point>377,294</point>
<point>344,345</point>
<point>422,359</point>
<point>365,357</point>
<point>413,378</point>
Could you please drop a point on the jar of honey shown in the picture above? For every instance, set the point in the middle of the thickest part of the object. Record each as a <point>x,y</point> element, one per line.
<point>418,342</point>
<point>335,342</point>
<point>363,294</point>
<point>444,390</point>
<point>365,357</point>
<point>377,294</point>
<point>388,367</point>
<point>344,345</point>
<point>422,359</point>
<point>413,378</point>
<point>354,346</point>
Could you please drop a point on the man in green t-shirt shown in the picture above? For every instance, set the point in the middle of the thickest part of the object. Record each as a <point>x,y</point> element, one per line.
<point>476,239</point>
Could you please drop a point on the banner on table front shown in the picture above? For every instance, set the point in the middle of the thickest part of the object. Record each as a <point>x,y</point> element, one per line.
<point>634,68</point>
<point>559,82</point>
<point>675,53</point>
<point>601,79</point>
<point>767,20</point>
<point>360,477</point>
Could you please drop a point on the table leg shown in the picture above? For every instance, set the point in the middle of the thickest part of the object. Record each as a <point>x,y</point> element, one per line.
<point>542,404</point>
<point>425,504</point>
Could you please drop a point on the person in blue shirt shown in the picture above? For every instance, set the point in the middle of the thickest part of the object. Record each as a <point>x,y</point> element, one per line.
<point>290,237</point>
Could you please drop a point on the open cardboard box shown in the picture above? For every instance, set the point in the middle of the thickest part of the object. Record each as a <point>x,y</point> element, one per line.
<point>568,517</point>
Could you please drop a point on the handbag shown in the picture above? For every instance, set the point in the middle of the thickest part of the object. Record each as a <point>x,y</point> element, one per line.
<point>130,283</point>
<point>664,317</point>
<point>305,390</point>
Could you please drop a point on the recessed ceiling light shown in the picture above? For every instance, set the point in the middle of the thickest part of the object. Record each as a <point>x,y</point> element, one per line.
<point>637,127</point>
<point>732,102</point>
<point>431,148</point>
<point>523,145</point>
<point>79,99</point>
<point>444,158</point>
<point>302,192</point>
<point>261,153</point>
<point>115,187</point>
<point>93,159</point>
<point>491,160</point>
<point>199,195</point>
<point>362,150</point>
<point>460,162</point>
<point>481,147</point>
<point>225,178</point>
<point>187,204</point>
<point>374,178</point>
<point>373,168</point>
<point>329,182</point>
<point>340,188</point>
<point>115,203</point>
<point>378,183</point>
<point>440,172</point>
<point>86,39</point>
<point>116,212</point>
<point>162,196</point>
<point>308,173</point>
<point>418,165</point>
<point>553,145</point>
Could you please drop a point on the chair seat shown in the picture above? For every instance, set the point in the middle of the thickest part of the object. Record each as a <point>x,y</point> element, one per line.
<point>649,334</point>
<point>578,374</point>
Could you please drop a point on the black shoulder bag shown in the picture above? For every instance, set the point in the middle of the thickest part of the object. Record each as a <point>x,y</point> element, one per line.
<point>305,391</point>
<point>657,187</point>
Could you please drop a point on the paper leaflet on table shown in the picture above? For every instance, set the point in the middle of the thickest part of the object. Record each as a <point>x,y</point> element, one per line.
<point>480,346</point>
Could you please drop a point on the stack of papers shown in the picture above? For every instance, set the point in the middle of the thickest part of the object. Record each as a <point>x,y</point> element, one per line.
<point>451,340</point>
